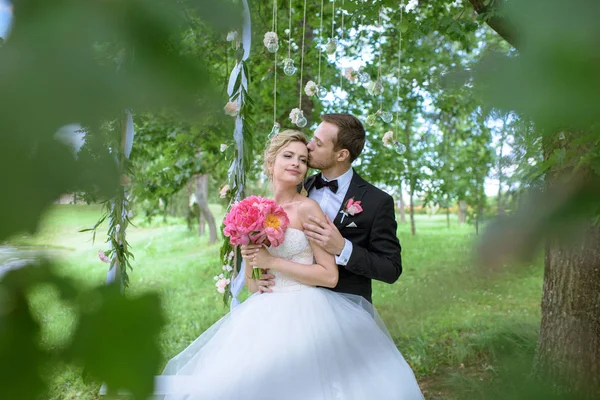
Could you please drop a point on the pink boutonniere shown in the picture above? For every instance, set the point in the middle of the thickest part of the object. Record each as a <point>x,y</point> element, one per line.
<point>352,208</point>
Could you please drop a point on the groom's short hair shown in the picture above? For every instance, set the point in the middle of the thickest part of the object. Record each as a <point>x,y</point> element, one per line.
<point>351,133</point>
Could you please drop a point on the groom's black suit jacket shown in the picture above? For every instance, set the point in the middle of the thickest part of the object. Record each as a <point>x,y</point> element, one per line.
<point>376,248</point>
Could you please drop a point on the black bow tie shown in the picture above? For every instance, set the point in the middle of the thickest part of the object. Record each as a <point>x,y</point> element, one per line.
<point>320,183</point>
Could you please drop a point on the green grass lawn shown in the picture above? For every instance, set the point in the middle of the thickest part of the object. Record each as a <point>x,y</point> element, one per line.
<point>452,320</point>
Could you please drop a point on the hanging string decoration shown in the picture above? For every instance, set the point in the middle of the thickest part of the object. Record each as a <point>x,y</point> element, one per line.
<point>376,87</point>
<point>332,44</point>
<point>275,129</point>
<point>321,90</point>
<point>341,43</point>
<point>390,138</point>
<point>297,115</point>
<point>315,88</point>
<point>288,63</point>
<point>271,40</point>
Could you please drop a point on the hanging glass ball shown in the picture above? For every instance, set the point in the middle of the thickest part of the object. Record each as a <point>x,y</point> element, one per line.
<point>322,92</point>
<point>274,131</point>
<point>371,119</point>
<point>387,117</point>
<point>288,67</point>
<point>289,70</point>
<point>364,77</point>
<point>376,88</point>
<point>331,47</point>
<point>301,121</point>
<point>273,46</point>
<point>400,148</point>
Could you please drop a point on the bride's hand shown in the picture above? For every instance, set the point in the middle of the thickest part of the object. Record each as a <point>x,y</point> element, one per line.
<point>261,258</point>
<point>248,251</point>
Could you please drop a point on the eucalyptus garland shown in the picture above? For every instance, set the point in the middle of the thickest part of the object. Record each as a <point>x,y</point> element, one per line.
<point>242,157</point>
<point>117,209</point>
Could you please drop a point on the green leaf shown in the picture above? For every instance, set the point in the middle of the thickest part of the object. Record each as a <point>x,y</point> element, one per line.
<point>21,357</point>
<point>103,340</point>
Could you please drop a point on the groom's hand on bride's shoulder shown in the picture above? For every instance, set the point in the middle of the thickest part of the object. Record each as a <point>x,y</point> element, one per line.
<point>325,234</point>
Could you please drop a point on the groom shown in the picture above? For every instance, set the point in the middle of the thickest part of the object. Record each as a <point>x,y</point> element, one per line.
<point>362,238</point>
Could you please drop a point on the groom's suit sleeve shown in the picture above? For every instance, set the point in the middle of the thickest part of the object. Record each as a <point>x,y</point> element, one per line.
<point>381,259</point>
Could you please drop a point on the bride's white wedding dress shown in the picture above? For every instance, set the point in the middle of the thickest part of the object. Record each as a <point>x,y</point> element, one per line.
<point>299,342</point>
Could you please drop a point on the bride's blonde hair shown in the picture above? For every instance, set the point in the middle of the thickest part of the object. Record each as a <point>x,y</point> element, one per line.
<point>277,143</point>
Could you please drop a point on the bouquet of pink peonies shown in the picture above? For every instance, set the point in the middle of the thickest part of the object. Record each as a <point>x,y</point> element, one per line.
<point>256,220</point>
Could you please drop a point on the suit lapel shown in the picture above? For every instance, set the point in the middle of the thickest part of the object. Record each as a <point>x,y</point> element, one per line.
<point>357,190</point>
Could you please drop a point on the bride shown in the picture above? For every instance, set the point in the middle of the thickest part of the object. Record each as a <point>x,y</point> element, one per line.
<point>299,340</point>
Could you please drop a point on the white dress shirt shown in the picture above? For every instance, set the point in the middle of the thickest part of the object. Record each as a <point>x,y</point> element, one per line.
<point>330,204</point>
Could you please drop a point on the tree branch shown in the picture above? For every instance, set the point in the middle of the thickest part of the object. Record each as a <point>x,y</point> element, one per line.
<point>501,25</point>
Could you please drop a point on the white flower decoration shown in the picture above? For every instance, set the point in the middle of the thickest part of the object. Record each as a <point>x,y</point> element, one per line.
<point>270,39</point>
<point>388,138</point>
<point>232,109</point>
<point>311,88</point>
<point>351,74</point>
<point>232,36</point>
<point>295,114</point>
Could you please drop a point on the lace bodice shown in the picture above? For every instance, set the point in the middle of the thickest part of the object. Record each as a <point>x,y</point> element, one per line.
<point>295,248</point>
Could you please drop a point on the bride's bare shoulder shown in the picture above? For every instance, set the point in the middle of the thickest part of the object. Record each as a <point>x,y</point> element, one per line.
<point>309,206</point>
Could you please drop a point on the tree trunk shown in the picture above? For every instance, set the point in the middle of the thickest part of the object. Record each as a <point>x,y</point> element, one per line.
<point>413,229</point>
<point>402,205</point>
<point>448,217</point>
<point>477,219</point>
<point>411,174</point>
<point>501,212</point>
<point>402,210</point>
<point>568,351</point>
<point>462,211</point>
<point>500,207</point>
<point>205,214</point>
<point>166,205</point>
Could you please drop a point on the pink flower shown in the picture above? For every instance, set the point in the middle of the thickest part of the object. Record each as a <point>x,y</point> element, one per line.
<point>224,190</point>
<point>256,220</point>
<point>232,109</point>
<point>353,207</point>
<point>222,284</point>
<point>351,74</point>
<point>103,257</point>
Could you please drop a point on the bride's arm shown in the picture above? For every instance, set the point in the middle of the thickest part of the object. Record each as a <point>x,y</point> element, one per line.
<point>323,273</point>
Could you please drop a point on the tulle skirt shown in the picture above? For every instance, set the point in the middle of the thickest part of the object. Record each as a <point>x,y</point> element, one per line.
<point>306,344</point>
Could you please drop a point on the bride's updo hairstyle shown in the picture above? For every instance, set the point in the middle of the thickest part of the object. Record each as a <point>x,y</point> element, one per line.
<point>277,143</point>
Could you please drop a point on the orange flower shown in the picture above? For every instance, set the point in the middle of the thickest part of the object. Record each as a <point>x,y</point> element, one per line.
<point>272,221</point>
